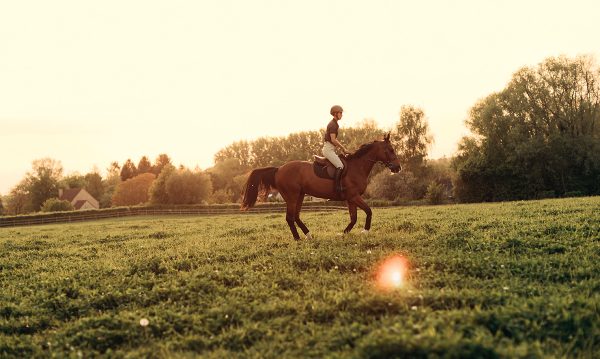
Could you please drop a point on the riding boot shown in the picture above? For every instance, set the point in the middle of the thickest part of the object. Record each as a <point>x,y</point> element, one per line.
<point>338,182</point>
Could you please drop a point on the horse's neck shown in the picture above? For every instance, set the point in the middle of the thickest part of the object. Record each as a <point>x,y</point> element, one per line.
<point>362,165</point>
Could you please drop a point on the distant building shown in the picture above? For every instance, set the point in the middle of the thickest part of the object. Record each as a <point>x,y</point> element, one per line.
<point>79,198</point>
<point>274,196</point>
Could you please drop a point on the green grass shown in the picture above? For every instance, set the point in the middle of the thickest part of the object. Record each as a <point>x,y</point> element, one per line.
<point>517,279</point>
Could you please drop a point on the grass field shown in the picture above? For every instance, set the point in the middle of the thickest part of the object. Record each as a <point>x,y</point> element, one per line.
<point>519,279</point>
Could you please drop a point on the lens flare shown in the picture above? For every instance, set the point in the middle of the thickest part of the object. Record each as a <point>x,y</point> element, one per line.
<point>391,274</point>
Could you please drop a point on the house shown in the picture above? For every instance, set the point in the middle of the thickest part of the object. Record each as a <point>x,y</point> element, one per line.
<point>79,198</point>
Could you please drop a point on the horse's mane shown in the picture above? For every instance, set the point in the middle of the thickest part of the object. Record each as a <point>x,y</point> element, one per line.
<point>363,149</point>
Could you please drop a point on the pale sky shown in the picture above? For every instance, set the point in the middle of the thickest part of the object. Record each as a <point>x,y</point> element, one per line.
<point>90,82</point>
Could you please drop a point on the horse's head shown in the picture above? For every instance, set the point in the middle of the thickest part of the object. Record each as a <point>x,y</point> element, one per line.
<point>386,154</point>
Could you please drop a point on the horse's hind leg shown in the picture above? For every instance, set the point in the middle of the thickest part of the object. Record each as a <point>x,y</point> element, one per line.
<point>298,220</point>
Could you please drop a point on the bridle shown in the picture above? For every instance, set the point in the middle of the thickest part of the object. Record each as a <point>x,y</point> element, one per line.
<point>388,164</point>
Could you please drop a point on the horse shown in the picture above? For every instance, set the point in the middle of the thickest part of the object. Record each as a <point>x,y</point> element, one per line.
<point>296,178</point>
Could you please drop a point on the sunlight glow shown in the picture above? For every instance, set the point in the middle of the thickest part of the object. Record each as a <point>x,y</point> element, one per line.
<point>391,274</point>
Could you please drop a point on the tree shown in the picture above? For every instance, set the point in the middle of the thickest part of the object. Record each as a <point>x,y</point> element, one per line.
<point>158,190</point>
<point>187,187</point>
<point>239,150</point>
<point>396,187</point>
<point>42,181</point>
<point>56,205</point>
<point>1,206</point>
<point>160,162</point>
<point>128,170</point>
<point>221,196</point>
<point>134,191</point>
<point>237,187</point>
<point>411,138</point>
<point>223,172</point>
<point>113,178</point>
<point>353,137</point>
<point>18,200</point>
<point>538,137</point>
<point>144,166</point>
<point>74,180</point>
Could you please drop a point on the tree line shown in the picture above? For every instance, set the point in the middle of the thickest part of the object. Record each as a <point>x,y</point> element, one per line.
<point>539,137</point>
<point>160,182</point>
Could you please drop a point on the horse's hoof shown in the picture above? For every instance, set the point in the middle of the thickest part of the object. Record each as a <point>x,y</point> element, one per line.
<point>309,237</point>
<point>365,231</point>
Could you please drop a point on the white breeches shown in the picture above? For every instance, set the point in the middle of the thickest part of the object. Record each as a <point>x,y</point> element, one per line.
<point>329,153</point>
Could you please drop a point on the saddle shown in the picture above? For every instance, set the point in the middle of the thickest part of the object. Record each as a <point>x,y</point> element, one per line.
<point>325,169</point>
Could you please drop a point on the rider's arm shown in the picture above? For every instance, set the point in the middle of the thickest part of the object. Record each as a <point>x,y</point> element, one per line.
<point>337,143</point>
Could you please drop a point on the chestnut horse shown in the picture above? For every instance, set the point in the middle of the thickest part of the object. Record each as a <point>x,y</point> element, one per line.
<point>296,178</point>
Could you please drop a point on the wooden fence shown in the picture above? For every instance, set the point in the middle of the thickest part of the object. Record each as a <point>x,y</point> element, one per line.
<point>91,216</point>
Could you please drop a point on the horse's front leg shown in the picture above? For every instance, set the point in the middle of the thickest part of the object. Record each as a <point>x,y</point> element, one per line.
<point>352,210</point>
<point>360,202</point>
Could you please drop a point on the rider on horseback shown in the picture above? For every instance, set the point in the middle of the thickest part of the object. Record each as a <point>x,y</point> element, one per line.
<point>331,142</point>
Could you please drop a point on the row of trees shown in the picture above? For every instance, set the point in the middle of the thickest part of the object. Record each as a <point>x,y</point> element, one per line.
<point>40,187</point>
<point>538,137</point>
<point>162,183</point>
<point>410,136</point>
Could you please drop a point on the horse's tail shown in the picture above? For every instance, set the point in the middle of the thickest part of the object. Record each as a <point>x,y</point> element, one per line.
<point>261,181</point>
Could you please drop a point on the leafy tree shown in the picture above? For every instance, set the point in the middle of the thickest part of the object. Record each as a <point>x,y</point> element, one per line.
<point>113,178</point>
<point>42,181</point>
<point>73,180</point>
<point>353,137</point>
<point>18,200</point>
<point>538,136</point>
<point>1,206</point>
<point>223,172</point>
<point>412,138</point>
<point>128,170</point>
<point>133,191</point>
<point>239,150</point>
<point>263,152</point>
<point>187,187</point>
<point>144,166</point>
<point>56,205</point>
<point>396,187</point>
<point>236,187</point>
<point>160,162</point>
<point>221,196</point>
<point>158,190</point>
<point>94,185</point>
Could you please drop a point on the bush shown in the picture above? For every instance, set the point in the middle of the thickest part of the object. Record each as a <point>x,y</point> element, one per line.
<point>56,205</point>
<point>392,187</point>
<point>435,193</point>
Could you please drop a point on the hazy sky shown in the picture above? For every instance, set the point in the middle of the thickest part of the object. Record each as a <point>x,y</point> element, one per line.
<point>90,82</point>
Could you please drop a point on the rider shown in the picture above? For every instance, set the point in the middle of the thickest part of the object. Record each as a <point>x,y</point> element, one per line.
<point>331,142</point>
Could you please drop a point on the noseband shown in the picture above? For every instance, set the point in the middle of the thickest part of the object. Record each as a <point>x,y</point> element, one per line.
<point>387,164</point>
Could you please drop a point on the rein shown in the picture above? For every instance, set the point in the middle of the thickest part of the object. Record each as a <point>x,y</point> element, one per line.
<point>387,164</point>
